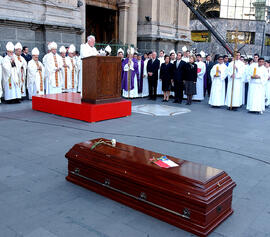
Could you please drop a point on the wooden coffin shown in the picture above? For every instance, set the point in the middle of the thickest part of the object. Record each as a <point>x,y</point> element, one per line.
<point>191,196</point>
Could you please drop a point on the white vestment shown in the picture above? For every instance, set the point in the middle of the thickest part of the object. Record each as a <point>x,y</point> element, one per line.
<point>185,59</point>
<point>44,62</point>
<point>134,92</point>
<point>35,79</point>
<point>200,81</point>
<point>55,81</point>
<point>21,65</point>
<point>65,74</point>
<point>87,51</point>
<point>217,95</point>
<point>267,88</point>
<point>73,74</point>
<point>256,90</point>
<point>237,99</point>
<point>145,90</point>
<point>11,81</point>
<point>159,84</point>
<point>1,90</point>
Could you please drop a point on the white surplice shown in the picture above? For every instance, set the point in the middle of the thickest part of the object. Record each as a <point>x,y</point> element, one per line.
<point>217,95</point>
<point>200,81</point>
<point>256,90</point>
<point>11,80</point>
<point>237,99</point>
<point>134,92</point>
<point>65,72</point>
<point>21,65</point>
<point>159,84</point>
<point>55,80</point>
<point>73,74</point>
<point>35,79</point>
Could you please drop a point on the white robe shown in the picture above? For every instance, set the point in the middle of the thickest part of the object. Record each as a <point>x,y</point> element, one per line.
<point>44,62</point>
<point>256,91</point>
<point>73,77</point>
<point>1,90</point>
<point>200,81</point>
<point>34,82</point>
<point>217,96</point>
<point>134,92</point>
<point>52,86</point>
<point>159,84</point>
<point>65,74</point>
<point>87,51</point>
<point>145,91</point>
<point>21,68</point>
<point>267,88</point>
<point>79,65</point>
<point>11,81</point>
<point>185,59</point>
<point>237,100</point>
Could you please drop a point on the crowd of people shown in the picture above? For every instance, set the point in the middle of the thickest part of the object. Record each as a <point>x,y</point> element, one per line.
<point>179,75</point>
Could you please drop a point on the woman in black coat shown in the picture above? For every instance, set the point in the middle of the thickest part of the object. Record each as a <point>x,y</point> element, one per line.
<point>166,75</point>
<point>190,79</point>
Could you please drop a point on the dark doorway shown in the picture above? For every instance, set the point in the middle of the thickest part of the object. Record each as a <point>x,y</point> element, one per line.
<point>102,23</point>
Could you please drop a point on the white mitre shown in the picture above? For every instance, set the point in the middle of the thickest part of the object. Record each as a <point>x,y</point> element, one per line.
<point>184,49</point>
<point>10,46</point>
<point>18,46</point>
<point>62,49</point>
<point>72,48</point>
<point>202,53</point>
<point>35,51</point>
<point>53,45</point>
<point>108,49</point>
<point>120,51</point>
<point>172,51</point>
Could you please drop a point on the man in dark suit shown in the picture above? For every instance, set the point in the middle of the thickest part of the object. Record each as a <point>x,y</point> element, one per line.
<point>178,79</point>
<point>152,71</point>
<point>208,82</point>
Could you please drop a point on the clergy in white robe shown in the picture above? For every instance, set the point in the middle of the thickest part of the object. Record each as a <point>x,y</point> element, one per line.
<point>1,90</point>
<point>145,87</point>
<point>79,64</point>
<point>11,80</point>
<point>53,67</point>
<point>218,74</point>
<point>65,70</point>
<point>200,79</point>
<point>35,75</point>
<point>44,62</point>
<point>238,74</point>
<point>159,84</point>
<point>73,71</point>
<point>267,84</point>
<point>21,65</point>
<point>256,92</point>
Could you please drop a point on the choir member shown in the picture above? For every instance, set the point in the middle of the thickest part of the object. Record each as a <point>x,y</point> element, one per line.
<point>218,75</point>
<point>35,75</point>
<point>161,60</point>
<point>54,64</point>
<point>236,72</point>
<point>130,75</point>
<point>258,76</point>
<point>166,75</point>
<point>178,80</point>
<point>11,80</point>
<point>21,65</point>
<point>191,75</point>
<point>152,72</point>
<point>200,79</point>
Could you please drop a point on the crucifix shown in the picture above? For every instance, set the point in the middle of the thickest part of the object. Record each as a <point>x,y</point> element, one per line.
<point>236,42</point>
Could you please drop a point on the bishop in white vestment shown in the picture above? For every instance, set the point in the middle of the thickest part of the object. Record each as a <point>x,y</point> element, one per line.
<point>256,92</point>
<point>35,76</point>
<point>218,74</point>
<point>65,70</point>
<point>11,80</point>
<point>238,74</point>
<point>73,71</point>
<point>53,67</point>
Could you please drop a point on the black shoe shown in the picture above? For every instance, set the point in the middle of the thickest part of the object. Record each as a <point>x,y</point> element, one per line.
<point>176,101</point>
<point>164,100</point>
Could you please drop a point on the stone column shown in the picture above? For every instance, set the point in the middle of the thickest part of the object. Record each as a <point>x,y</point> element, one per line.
<point>132,23</point>
<point>83,10</point>
<point>123,6</point>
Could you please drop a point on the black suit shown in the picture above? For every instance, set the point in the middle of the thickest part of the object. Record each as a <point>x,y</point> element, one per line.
<point>209,66</point>
<point>152,80</point>
<point>179,74</point>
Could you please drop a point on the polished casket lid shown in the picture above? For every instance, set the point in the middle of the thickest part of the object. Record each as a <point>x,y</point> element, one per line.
<point>189,179</point>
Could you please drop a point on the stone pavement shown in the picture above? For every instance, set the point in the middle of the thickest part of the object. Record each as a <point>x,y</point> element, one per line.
<point>37,201</point>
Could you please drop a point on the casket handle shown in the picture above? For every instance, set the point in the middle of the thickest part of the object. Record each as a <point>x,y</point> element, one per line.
<point>77,170</point>
<point>107,182</point>
<point>143,195</point>
<point>186,213</point>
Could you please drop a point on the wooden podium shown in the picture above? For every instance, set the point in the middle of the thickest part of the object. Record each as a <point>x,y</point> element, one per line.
<point>101,80</point>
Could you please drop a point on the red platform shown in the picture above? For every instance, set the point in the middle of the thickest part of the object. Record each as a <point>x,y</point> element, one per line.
<point>69,105</point>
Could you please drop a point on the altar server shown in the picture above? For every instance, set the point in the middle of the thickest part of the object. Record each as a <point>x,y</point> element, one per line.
<point>88,49</point>
<point>65,70</point>
<point>11,80</point>
<point>130,75</point>
<point>267,84</point>
<point>256,92</point>
<point>1,90</point>
<point>53,66</point>
<point>21,65</point>
<point>161,60</point>
<point>238,74</point>
<point>218,75</point>
<point>73,71</point>
<point>35,75</point>
<point>201,68</point>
